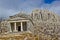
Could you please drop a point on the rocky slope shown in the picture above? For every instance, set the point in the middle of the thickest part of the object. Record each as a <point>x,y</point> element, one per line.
<point>43,21</point>
<point>46,22</point>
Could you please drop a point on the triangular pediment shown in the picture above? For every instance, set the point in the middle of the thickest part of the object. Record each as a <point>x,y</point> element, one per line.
<point>17,18</point>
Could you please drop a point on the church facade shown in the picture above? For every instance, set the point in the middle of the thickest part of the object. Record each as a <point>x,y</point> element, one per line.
<point>16,24</point>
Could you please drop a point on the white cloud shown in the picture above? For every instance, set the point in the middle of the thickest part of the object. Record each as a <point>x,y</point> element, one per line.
<point>28,6</point>
<point>55,7</point>
<point>7,8</point>
<point>7,12</point>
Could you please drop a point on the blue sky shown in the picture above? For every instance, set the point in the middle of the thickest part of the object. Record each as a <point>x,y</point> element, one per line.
<point>11,7</point>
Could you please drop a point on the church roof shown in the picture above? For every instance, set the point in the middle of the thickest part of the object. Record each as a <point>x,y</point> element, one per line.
<point>19,16</point>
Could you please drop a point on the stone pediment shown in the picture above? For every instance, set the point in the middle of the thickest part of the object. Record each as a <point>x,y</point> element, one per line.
<point>17,18</point>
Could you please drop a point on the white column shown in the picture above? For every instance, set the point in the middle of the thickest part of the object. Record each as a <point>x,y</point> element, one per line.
<point>9,27</point>
<point>15,30</point>
<point>21,27</point>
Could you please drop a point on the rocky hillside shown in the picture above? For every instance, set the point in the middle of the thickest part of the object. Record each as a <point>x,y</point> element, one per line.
<point>45,22</point>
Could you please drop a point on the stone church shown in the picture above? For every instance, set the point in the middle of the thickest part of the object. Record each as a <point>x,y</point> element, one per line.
<point>38,22</point>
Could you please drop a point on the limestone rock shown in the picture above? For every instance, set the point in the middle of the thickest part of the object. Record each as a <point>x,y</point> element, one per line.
<point>45,22</point>
<point>41,22</point>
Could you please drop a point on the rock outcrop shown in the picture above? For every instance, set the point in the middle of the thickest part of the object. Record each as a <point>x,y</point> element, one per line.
<point>45,22</point>
<point>42,22</point>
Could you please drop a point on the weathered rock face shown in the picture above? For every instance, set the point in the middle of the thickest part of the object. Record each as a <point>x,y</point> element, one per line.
<point>44,15</point>
<point>3,27</point>
<point>42,22</point>
<point>45,22</point>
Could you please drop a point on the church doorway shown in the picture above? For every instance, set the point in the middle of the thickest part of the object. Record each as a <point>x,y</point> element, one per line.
<point>19,28</point>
